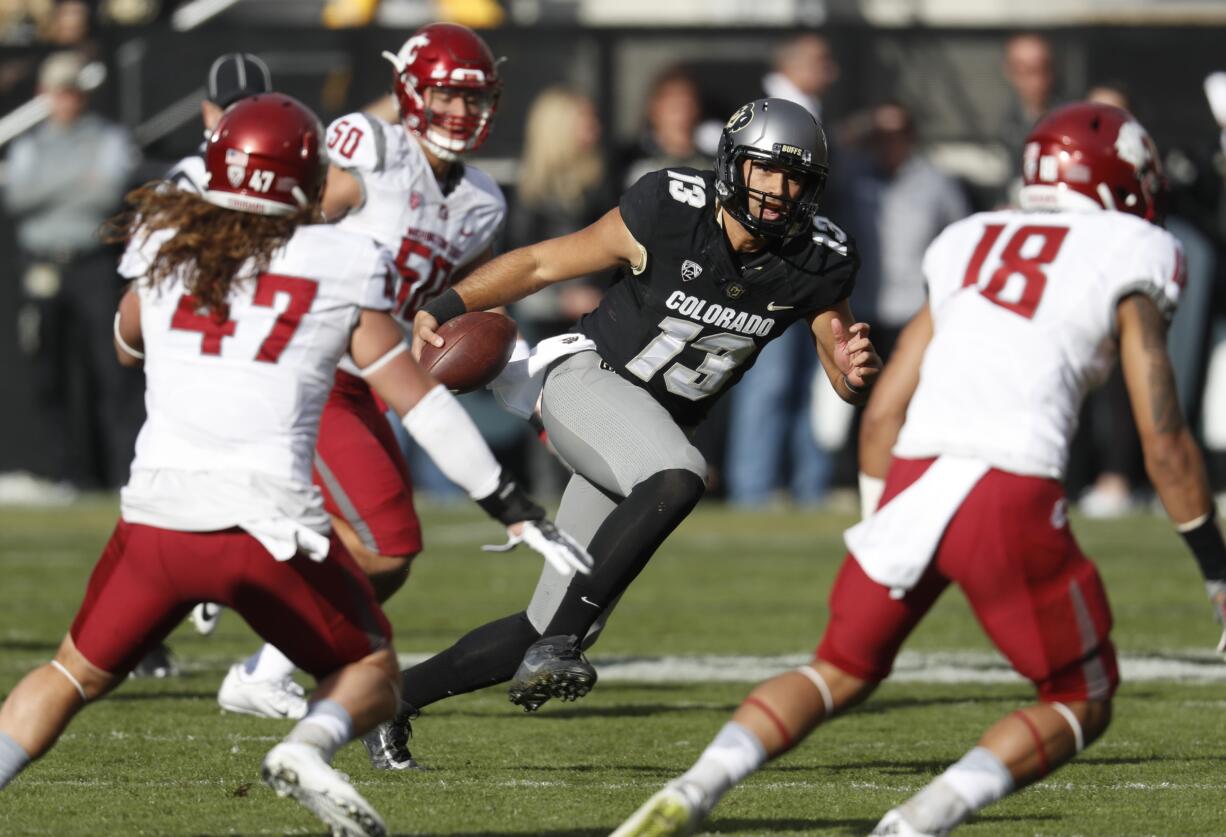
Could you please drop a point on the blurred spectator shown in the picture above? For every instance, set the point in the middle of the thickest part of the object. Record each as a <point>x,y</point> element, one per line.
<point>770,439</point>
<point>561,188</point>
<point>1031,73</point>
<point>909,201</point>
<point>1115,446</point>
<point>64,178</point>
<point>803,73</point>
<point>69,24</point>
<point>1030,70</point>
<point>673,114</point>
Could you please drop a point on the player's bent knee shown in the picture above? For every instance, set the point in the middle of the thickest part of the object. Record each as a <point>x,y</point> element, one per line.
<point>384,660</point>
<point>1088,718</point>
<point>678,487</point>
<point>387,574</point>
<point>89,681</point>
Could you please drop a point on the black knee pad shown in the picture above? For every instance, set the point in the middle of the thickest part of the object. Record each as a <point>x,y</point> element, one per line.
<point>679,488</point>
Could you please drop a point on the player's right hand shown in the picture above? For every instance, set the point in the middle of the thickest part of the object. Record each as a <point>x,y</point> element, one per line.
<point>425,327</point>
<point>564,553</point>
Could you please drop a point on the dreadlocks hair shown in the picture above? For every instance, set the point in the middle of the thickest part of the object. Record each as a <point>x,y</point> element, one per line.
<point>212,247</point>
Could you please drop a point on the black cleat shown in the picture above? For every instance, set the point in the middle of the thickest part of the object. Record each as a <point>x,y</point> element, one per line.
<point>387,745</point>
<point>553,667</point>
<point>157,663</point>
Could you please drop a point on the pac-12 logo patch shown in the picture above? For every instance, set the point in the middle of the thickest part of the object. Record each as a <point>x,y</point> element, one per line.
<point>740,119</point>
<point>690,270</point>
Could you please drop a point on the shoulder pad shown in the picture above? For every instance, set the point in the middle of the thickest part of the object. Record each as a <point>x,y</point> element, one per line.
<point>830,235</point>
<point>483,182</point>
<point>189,174</point>
<point>358,141</point>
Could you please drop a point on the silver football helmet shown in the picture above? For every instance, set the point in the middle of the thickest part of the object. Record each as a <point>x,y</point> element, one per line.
<point>781,134</point>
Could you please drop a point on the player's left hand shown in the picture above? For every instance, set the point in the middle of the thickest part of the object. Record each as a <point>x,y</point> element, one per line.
<point>564,553</point>
<point>854,354</point>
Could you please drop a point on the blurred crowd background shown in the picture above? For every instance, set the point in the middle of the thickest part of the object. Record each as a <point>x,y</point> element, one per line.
<point>925,104</point>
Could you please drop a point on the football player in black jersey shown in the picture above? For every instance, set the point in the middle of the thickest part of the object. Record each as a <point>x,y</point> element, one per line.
<point>714,264</point>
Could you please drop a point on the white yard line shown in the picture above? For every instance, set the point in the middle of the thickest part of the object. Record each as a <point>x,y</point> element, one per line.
<point>1190,666</point>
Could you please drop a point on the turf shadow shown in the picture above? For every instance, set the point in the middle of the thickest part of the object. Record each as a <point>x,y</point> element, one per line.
<point>147,696</point>
<point>629,710</point>
<point>567,832</point>
<point>732,825</point>
<point>28,645</point>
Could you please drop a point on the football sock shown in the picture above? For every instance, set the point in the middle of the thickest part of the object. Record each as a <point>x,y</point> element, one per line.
<point>13,759</point>
<point>734,754</point>
<point>483,657</point>
<point>268,664</point>
<point>327,726</point>
<point>624,544</point>
<point>978,779</point>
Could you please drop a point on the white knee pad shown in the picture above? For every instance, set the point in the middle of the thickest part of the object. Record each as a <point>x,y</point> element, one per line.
<point>58,666</point>
<point>815,677</point>
<point>1067,714</point>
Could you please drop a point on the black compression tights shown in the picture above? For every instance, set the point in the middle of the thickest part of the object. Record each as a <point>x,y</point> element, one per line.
<point>621,547</point>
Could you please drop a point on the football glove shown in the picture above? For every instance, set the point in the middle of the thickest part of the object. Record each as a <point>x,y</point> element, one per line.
<point>564,553</point>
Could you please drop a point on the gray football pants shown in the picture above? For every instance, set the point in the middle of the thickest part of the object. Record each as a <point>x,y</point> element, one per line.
<point>613,435</point>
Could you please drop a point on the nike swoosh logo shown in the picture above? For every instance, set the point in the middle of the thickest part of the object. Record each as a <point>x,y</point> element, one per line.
<point>588,601</point>
<point>770,306</point>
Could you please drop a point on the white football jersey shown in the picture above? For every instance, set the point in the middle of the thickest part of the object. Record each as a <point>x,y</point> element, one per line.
<point>433,236</point>
<point>1023,307</point>
<point>244,396</point>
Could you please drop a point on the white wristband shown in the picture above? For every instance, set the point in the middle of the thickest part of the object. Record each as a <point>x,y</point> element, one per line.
<point>871,489</point>
<point>123,344</point>
<point>448,436</point>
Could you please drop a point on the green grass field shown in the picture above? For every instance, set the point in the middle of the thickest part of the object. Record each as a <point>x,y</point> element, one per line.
<point>159,758</point>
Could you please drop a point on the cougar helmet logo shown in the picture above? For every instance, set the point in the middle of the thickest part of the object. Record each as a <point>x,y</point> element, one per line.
<point>1130,145</point>
<point>740,119</point>
<point>408,52</point>
<point>690,270</point>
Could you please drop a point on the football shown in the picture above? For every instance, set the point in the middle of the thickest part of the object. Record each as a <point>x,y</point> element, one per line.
<point>476,347</point>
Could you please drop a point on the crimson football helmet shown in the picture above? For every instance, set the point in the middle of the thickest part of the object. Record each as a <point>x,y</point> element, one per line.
<point>451,56</point>
<point>265,156</point>
<point>1092,156</point>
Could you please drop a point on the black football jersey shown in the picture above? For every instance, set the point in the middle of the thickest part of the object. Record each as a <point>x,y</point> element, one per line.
<point>690,325</point>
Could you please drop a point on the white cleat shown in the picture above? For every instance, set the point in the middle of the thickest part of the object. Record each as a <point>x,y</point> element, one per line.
<point>299,770</point>
<point>670,812</point>
<point>262,698</point>
<point>894,825</point>
<point>205,616</point>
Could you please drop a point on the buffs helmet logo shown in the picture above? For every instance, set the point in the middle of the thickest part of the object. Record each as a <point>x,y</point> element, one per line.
<point>734,290</point>
<point>740,119</point>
